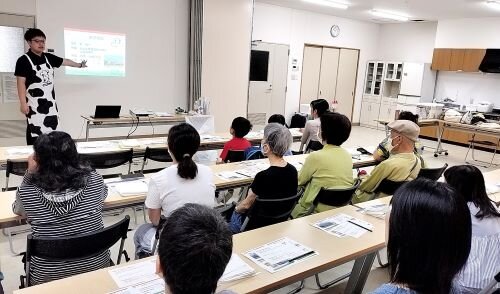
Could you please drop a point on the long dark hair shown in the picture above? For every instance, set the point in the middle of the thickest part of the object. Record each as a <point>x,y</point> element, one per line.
<point>59,167</point>
<point>469,182</point>
<point>183,142</point>
<point>429,236</point>
<point>320,105</point>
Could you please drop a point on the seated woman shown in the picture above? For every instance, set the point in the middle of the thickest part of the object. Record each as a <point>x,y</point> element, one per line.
<point>61,198</point>
<point>310,131</point>
<point>383,149</point>
<point>277,118</point>
<point>484,258</point>
<point>181,183</point>
<point>330,167</point>
<point>278,181</point>
<point>429,239</point>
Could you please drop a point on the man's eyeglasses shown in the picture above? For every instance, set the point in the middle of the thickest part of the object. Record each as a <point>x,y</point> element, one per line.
<point>38,41</point>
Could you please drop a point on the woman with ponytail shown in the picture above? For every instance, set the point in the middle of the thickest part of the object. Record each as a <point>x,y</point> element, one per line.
<point>181,183</point>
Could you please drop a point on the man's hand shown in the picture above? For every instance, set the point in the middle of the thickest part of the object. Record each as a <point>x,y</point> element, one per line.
<point>25,109</point>
<point>83,64</point>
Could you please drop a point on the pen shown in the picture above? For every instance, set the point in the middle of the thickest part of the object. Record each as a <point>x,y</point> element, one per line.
<point>291,260</point>
<point>243,174</point>
<point>359,226</point>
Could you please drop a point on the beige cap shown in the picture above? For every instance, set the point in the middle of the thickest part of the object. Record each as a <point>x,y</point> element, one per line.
<point>406,128</point>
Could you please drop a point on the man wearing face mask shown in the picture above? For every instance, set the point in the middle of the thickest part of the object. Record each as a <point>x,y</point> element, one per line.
<point>402,165</point>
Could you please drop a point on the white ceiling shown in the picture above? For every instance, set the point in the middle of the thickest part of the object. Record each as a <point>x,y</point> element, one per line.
<point>429,10</point>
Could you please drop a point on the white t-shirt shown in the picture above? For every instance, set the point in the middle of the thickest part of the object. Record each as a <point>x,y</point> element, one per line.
<point>310,132</point>
<point>483,227</point>
<point>168,191</point>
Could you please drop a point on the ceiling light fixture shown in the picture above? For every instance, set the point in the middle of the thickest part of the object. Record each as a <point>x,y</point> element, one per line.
<point>334,4</point>
<point>389,15</point>
<point>493,4</point>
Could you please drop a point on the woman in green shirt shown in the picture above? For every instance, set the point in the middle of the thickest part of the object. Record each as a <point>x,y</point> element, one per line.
<point>330,167</point>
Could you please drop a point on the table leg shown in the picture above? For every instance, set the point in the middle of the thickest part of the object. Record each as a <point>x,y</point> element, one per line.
<point>440,131</point>
<point>87,132</point>
<point>359,275</point>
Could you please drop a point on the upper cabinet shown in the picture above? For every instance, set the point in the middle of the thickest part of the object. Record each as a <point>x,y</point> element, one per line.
<point>374,77</point>
<point>467,60</point>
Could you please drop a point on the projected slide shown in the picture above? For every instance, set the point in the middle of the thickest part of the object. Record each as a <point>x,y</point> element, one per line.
<point>104,52</point>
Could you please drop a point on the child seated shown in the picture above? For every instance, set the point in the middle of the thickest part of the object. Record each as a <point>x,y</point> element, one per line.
<point>240,127</point>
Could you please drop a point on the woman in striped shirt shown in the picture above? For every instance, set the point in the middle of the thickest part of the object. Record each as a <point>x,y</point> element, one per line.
<point>61,197</point>
<point>484,258</point>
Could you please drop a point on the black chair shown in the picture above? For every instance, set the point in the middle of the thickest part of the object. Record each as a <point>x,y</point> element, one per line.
<point>388,187</point>
<point>108,160</point>
<point>235,156</point>
<point>313,146</point>
<point>77,247</point>
<point>155,154</point>
<point>14,167</point>
<point>226,211</point>
<point>335,197</point>
<point>265,212</point>
<point>432,173</point>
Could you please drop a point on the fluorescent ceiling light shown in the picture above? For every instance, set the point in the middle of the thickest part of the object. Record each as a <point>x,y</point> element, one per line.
<point>334,4</point>
<point>493,4</point>
<point>389,15</point>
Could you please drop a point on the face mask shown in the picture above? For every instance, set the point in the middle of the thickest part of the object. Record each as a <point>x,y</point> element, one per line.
<point>391,145</point>
<point>262,149</point>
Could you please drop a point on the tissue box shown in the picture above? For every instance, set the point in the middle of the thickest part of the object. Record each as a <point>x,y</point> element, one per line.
<point>429,110</point>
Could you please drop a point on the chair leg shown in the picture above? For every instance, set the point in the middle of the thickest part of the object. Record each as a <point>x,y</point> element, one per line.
<point>144,213</point>
<point>11,242</point>
<point>326,285</point>
<point>298,289</point>
<point>379,259</point>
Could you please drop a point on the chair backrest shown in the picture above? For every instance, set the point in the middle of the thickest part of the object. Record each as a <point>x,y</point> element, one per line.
<point>235,156</point>
<point>265,212</point>
<point>314,146</point>
<point>298,121</point>
<point>336,197</point>
<point>14,167</point>
<point>108,159</point>
<point>252,153</point>
<point>432,173</point>
<point>388,187</point>
<point>17,168</point>
<point>157,154</point>
<point>77,247</point>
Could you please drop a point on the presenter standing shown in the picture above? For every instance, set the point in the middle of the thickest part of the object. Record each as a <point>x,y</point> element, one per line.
<point>35,85</point>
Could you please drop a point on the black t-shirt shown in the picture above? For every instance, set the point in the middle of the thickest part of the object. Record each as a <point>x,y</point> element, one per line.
<point>276,182</point>
<point>23,65</point>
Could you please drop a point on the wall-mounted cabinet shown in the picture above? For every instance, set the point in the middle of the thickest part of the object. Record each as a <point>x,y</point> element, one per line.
<point>374,78</point>
<point>467,60</point>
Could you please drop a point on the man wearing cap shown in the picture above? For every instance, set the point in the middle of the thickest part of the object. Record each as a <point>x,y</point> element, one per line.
<point>402,165</point>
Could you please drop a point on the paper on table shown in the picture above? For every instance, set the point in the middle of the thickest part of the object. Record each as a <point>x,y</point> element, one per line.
<point>127,188</point>
<point>19,150</point>
<point>492,188</point>
<point>374,208</point>
<point>279,254</point>
<point>133,274</point>
<point>230,175</point>
<point>236,269</point>
<point>339,225</point>
<point>130,143</point>
<point>156,286</point>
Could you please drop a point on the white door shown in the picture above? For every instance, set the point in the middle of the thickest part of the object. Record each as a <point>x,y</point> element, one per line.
<point>311,67</point>
<point>12,122</point>
<point>268,76</point>
<point>328,73</point>
<point>346,81</point>
<point>411,81</point>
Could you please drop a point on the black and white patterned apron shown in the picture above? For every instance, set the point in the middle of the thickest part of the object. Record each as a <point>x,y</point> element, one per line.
<point>43,115</point>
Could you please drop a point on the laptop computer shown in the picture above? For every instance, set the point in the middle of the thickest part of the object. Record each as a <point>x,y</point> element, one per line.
<point>107,111</point>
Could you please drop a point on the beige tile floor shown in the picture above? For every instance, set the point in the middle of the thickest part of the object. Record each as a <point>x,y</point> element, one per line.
<point>11,265</point>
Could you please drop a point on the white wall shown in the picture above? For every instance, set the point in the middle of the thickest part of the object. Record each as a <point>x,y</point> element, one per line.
<point>469,87</point>
<point>227,28</point>
<point>468,33</point>
<point>156,56</point>
<point>275,24</point>
<point>23,7</point>
<point>411,42</point>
